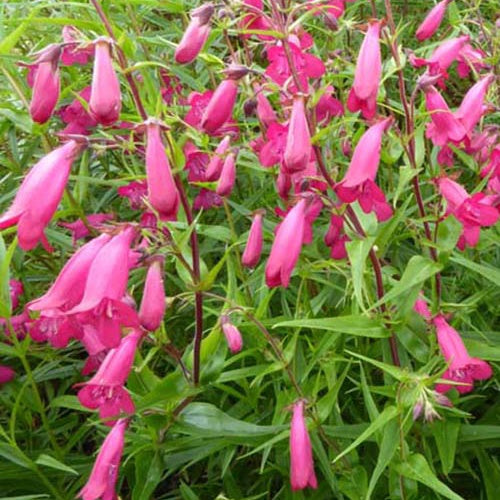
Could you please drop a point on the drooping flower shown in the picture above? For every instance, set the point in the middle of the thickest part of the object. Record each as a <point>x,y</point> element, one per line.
<point>105,390</point>
<point>363,94</point>
<point>255,20</point>
<point>462,367</point>
<point>153,302</point>
<point>227,176</point>
<point>253,248</point>
<point>220,107</point>
<point>6,374</point>
<point>135,191</point>
<point>301,456</point>
<point>444,126</point>
<point>328,106</point>
<point>298,141</point>
<point>196,34</point>
<point>78,120</point>
<point>336,238</point>
<point>432,21</point>
<point>421,308</point>
<point>470,58</point>
<point>46,85</point>
<point>273,150</point>
<point>265,111</point>
<point>39,195</point>
<point>102,480</point>
<point>80,230</point>
<point>473,212</point>
<point>286,246</point>
<point>74,52</point>
<point>359,180</point>
<point>162,191</point>
<point>105,97</point>
<point>214,167</point>
<point>232,334</point>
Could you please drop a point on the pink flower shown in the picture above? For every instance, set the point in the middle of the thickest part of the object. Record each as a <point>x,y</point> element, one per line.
<point>102,480</point>
<point>363,94</point>
<point>265,111</point>
<point>253,248</point>
<point>470,58</point>
<point>301,456</point>
<point>328,107</point>
<point>472,109</point>
<point>336,238</point>
<point>105,98</point>
<point>473,212</point>
<point>298,141</point>
<point>72,52</point>
<point>286,246</point>
<point>46,85</point>
<point>105,391</point>
<point>77,118</point>
<point>102,304</point>
<point>421,308</point>
<point>162,191</point>
<point>306,65</point>
<point>214,167</point>
<point>273,150</point>
<point>227,176</point>
<point>153,302</point>
<point>358,182</point>
<point>15,289</point>
<point>220,106</point>
<point>80,230</point>
<point>135,191</point>
<point>6,374</point>
<point>232,334</point>
<point>444,127</point>
<point>255,21</point>
<point>195,35</point>
<point>95,349</point>
<point>462,368</point>
<point>432,21</point>
<point>39,195</point>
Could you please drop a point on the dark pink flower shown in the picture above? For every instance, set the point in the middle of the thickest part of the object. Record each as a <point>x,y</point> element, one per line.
<point>105,97</point>
<point>265,111</point>
<point>196,34</point>
<point>162,191</point>
<point>468,58</point>
<point>462,368</point>
<point>153,302</point>
<point>135,191</point>
<point>421,308</point>
<point>301,457</point>
<point>80,230</point>
<point>272,152</point>
<point>253,248</point>
<point>39,195</point>
<point>95,349</point>
<point>363,94</point>
<point>78,120</point>
<point>232,334</point>
<point>336,238</point>
<point>227,176</point>
<point>102,480</point>
<point>206,199</point>
<point>105,390</point>
<point>286,247</point>
<point>298,141</point>
<point>220,107</point>
<point>432,21</point>
<point>6,374</point>
<point>255,21</point>
<point>328,107</point>
<point>214,167</point>
<point>74,52</point>
<point>15,289</point>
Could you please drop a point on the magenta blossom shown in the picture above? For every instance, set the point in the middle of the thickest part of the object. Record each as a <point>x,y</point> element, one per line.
<point>336,238</point>
<point>6,374</point>
<point>232,334</point>
<point>298,140</point>
<point>15,289</point>
<point>80,230</point>
<point>432,21</point>
<point>363,94</point>
<point>273,150</point>
<point>301,456</point>
<point>470,58</point>
<point>328,106</point>
<point>135,191</point>
<point>462,367</point>
<point>153,302</point>
<point>39,195</point>
<point>253,248</point>
<point>359,180</point>
<point>74,52</point>
<point>227,176</point>
<point>255,21</point>
<point>265,111</point>
<point>105,391</point>
<point>78,120</point>
<point>102,480</point>
<point>220,107</point>
<point>214,167</point>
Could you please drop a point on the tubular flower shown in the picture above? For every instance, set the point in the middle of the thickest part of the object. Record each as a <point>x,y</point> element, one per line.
<point>220,106</point>
<point>6,374</point>
<point>214,167</point>
<point>462,367</point>
<point>227,176</point>
<point>444,126</point>
<point>265,111</point>
<point>298,141</point>
<point>253,248</point>
<point>232,334</point>
<point>102,480</point>
<point>153,302</point>
<point>46,86</point>
<point>301,457</point>
<point>105,98</point>
<point>473,212</point>
<point>363,94</point>
<point>336,238</point>
<point>359,180</point>
<point>39,195</point>
<point>195,35</point>
<point>162,192</point>
<point>286,247</point>
<point>105,391</point>
<point>432,21</point>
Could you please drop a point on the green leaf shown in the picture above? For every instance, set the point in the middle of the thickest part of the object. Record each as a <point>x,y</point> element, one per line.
<point>51,462</point>
<point>417,271</point>
<point>148,472</point>
<point>205,419</point>
<point>445,433</point>
<point>352,325</point>
<point>488,272</point>
<point>386,416</point>
<point>490,472</point>
<point>357,251</point>
<point>388,447</point>
<point>15,456</point>
<point>417,468</point>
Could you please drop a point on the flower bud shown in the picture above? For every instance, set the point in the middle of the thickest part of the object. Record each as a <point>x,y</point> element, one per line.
<point>227,176</point>
<point>253,248</point>
<point>153,302</point>
<point>232,334</point>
